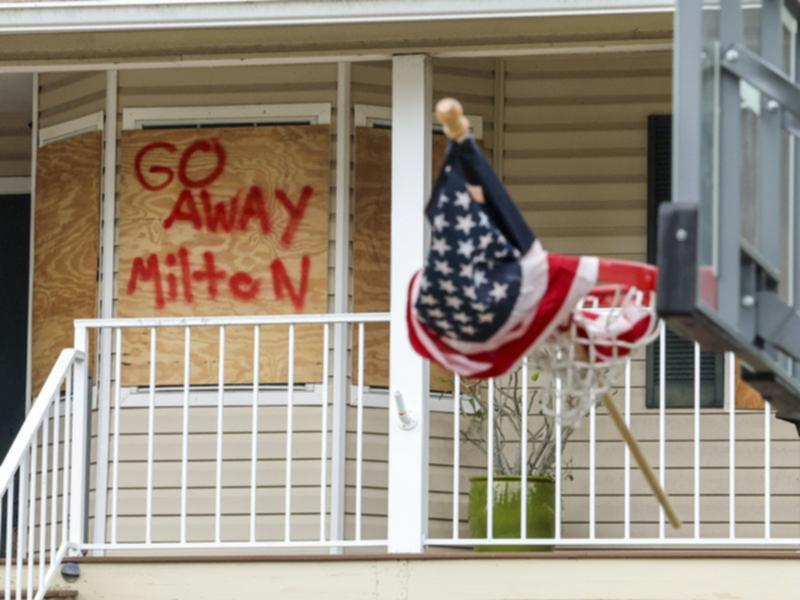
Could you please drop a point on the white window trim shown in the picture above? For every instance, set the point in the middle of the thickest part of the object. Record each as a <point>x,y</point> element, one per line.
<point>164,116</point>
<point>15,185</point>
<point>67,129</point>
<point>370,115</point>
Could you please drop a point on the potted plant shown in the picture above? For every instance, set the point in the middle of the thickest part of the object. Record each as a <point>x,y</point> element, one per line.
<point>507,458</point>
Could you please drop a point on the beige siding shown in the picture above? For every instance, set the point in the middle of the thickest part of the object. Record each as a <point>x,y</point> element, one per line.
<point>66,96</point>
<point>574,158</point>
<point>575,155</point>
<point>15,144</point>
<point>230,86</point>
<point>575,161</point>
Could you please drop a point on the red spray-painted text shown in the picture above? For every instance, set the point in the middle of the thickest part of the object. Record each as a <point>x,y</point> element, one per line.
<point>179,276</point>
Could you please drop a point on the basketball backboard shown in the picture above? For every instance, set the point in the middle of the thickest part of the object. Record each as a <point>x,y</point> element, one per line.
<point>729,242</point>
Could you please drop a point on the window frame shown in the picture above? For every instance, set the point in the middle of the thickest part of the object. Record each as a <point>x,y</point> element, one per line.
<point>167,117</point>
<point>316,113</point>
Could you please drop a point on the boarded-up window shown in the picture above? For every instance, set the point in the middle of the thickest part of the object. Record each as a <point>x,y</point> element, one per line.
<point>224,221</point>
<point>372,248</point>
<point>66,221</point>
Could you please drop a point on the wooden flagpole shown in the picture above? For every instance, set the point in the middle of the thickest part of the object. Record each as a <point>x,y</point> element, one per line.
<point>641,461</point>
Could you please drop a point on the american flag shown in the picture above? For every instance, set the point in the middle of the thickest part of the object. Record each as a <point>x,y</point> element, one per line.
<point>488,291</point>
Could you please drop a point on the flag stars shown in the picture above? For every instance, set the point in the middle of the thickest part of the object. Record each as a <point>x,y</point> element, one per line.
<point>435,313</point>
<point>439,222</point>
<point>442,267</point>
<point>466,270</point>
<point>463,200</point>
<point>484,241</point>
<point>466,248</point>
<point>462,317</point>
<point>468,329</point>
<point>447,286</point>
<point>454,302</point>
<point>443,198</point>
<point>486,318</point>
<point>483,220</point>
<point>469,292</point>
<point>479,306</point>
<point>465,224</point>
<point>440,245</point>
<point>499,291</point>
<point>479,278</point>
<point>428,299</point>
<point>442,324</point>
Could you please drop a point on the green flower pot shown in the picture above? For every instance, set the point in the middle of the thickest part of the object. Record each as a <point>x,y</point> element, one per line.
<point>506,518</point>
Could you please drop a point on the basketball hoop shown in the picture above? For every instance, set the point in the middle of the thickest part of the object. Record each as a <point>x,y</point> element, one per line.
<point>584,358</point>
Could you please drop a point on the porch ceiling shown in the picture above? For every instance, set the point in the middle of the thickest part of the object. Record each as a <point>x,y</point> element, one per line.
<point>327,42</point>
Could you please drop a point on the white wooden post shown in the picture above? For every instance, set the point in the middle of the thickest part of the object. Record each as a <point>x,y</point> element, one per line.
<point>341,304</point>
<point>106,305</point>
<point>80,435</point>
<point>411,180</point>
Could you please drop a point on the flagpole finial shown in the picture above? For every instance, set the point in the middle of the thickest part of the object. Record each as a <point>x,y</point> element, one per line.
<point>451,115</point>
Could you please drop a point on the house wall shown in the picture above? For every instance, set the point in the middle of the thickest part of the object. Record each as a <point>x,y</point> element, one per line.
<point>67,96</point>
<point>574,156</point>
<point>575,162</point>
<point>15,144</point>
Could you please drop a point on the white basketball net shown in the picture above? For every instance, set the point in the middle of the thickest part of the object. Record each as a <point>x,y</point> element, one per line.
<point>584,358</point>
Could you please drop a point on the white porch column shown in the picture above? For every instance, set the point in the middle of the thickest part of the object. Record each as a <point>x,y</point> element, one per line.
<point>106,306</point>
<point>341,304</point>
<point>411,180</point>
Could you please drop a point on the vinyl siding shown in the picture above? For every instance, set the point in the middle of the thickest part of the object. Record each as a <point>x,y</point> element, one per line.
<point>574,158</point>
<point>15,144</point>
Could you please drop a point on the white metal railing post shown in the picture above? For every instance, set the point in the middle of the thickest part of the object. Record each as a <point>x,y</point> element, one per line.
<point>408,373</point>
<point>80,437</point>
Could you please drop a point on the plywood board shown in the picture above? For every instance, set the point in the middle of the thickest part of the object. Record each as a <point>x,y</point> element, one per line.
<point>224,221</point>
<point>372,249</point>
<point>67,221</point>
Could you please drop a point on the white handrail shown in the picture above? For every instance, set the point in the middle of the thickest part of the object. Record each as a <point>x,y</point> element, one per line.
<point>294,319</point>
<point>36,415</point>
<point>46,550</point>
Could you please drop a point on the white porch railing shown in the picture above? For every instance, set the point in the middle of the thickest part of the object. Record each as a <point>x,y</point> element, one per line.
<point>204,465</point>
<point>230,464</point>
<point>717,464</point>
<point>41,482</point>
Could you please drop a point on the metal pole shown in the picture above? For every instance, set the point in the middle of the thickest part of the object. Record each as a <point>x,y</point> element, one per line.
<point>729,216</point>
<point>770,132</point>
